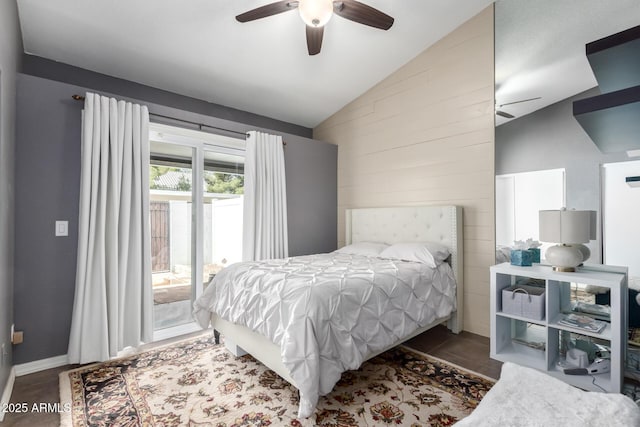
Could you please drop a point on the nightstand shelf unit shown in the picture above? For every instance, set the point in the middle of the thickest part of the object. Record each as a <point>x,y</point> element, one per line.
<point>539,343</point>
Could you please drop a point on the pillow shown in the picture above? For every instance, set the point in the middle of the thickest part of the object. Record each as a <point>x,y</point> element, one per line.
<point>432,254</point>
<point>363,248</point>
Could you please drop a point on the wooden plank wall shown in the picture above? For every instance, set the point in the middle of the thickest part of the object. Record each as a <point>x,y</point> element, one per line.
<point>425,135</point>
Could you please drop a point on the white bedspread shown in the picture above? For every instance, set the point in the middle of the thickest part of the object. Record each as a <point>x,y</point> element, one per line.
<point>328,312</point>
<point>524,397</point>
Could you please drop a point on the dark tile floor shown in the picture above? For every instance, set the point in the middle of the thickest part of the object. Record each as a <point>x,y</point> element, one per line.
<point>466,350</point>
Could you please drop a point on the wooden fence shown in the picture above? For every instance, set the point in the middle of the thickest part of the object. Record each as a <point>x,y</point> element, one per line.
<point>159,212</point>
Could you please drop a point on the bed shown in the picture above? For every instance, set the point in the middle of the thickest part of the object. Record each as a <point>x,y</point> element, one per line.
<point>328,325</point>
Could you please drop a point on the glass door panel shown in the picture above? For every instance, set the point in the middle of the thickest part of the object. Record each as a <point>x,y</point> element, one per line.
<point>171,217</point>
<point>196,195</point>
<point>222,210</point>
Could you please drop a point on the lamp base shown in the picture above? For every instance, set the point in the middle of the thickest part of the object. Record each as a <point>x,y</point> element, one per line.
<point>584,250</point>
<point>564,258</point>
<point>564,269</point>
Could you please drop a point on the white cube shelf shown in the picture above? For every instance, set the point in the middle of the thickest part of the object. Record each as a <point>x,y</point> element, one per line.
<point>508,330</point>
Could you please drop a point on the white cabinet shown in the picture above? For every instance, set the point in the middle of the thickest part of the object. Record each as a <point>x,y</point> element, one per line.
<point>542,344</point>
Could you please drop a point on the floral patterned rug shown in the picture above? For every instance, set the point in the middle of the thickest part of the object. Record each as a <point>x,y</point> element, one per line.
<point>198,383</point>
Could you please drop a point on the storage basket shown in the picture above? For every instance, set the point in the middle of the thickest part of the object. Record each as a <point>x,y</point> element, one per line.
<point>524,301</point>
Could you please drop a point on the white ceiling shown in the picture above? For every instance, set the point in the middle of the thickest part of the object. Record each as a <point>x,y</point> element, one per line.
<point>540,47</point>
<point>196,48</point>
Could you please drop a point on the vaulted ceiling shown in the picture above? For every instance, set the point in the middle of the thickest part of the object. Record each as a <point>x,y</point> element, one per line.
<point>197,48</point>
<point>540,48</point>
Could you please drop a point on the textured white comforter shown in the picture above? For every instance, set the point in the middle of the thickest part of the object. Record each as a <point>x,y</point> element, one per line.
<point>328,312</point>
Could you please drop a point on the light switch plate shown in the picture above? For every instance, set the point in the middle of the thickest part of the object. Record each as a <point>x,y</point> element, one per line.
<point>62,228</point>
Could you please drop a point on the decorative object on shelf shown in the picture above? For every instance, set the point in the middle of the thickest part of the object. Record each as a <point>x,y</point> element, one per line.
<point>534,247</point>
<point>531,344</point>
<point>568,228</point>
<point>521,257</point>
<point>525,301</point>
<point>599,366</point>
<point>585,323</point>
<point>525,253</point>
<point>577,358</point>
<point>535,255</point>
<point>597,311</point>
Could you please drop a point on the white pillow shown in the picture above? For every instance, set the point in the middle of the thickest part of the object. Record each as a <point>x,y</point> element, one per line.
<point>363,248</point>
<point>432,254</point>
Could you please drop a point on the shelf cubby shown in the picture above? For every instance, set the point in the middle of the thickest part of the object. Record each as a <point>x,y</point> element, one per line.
<point>513,337</point>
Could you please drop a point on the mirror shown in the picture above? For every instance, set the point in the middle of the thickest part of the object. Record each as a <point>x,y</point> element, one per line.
<point>519,198</point>
<point>541,68</point>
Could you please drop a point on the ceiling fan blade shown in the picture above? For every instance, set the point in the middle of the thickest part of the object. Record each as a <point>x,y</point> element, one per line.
<point>314,39</point>
<point>267,10</point>
<point>505,115</point>
<point>361,13</point>
<point>518,102</point>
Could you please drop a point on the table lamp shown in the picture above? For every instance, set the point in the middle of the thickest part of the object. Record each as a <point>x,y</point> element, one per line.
<point>569,229</point>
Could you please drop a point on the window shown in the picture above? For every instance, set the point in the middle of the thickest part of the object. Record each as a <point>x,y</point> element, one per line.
<point>196,185</point>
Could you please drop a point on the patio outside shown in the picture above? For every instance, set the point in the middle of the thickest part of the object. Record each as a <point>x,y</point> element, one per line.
<point>171,240</point>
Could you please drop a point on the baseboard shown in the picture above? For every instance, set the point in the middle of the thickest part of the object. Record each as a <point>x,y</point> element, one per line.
<point>175,331</point>
<point>40,365</point>
<point>57,361</point>
<point>6,394</point>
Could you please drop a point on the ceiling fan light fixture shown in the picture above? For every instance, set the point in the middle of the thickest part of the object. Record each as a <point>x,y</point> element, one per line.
<point>315,13</point>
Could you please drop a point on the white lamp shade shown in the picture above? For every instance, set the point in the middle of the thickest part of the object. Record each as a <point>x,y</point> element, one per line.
<point>565,226</point>
<point>315,13</point>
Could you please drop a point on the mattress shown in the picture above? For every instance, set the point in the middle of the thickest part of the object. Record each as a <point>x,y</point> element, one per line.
<point>328,312</point>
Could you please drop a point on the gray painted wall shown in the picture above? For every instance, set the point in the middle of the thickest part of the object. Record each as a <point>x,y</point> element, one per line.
<point>61,72</point>
<point>10,63</point>
<point>552,138</point>
<point>312,199</point>
<point>48,177</point>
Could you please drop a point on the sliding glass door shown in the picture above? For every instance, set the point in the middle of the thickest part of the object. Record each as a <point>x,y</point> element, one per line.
<point>222,211</point>
<point>196,184</point>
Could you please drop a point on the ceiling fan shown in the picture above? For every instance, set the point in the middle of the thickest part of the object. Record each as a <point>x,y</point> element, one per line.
<point>511,116</point>
<point>316,13</point>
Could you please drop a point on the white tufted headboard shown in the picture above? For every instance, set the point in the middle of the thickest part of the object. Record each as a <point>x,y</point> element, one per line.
<point>442,224</point>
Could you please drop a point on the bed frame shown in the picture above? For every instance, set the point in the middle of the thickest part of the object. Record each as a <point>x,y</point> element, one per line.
<point>442,224</point>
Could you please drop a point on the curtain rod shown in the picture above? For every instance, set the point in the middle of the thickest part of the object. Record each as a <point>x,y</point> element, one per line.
<point>200,125</point>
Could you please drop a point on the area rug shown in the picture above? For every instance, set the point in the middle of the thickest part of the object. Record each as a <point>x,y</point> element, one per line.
<point>198,383</point>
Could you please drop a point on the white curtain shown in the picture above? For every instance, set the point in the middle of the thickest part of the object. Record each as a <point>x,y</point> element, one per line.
<point>113,300</point>
<point>265,198</point>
